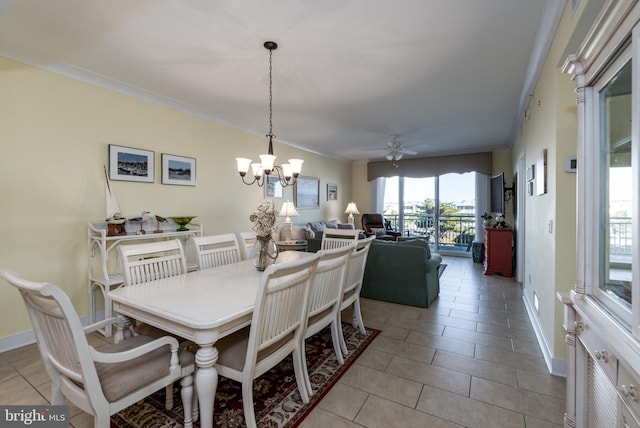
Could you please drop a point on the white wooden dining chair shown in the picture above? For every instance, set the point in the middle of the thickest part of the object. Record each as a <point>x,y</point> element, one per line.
<point>338,238</point>
<point>216,250</point>
<point>100,382</point>
<point>327,284</point>
<point>147,262</point>
<point>352,287</point>
<point>276,330</point>
<point>248,240</point>
<point>152,260</point>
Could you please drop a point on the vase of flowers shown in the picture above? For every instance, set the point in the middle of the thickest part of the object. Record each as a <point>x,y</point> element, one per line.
<point>266,250</point>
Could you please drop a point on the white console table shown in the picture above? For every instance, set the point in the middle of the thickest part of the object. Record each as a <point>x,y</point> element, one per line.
<point>104,271</point>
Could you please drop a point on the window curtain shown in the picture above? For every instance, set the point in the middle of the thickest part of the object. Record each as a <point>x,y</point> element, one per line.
<point>482,202</point>
<point>431,167</point>
<point>377,194</point>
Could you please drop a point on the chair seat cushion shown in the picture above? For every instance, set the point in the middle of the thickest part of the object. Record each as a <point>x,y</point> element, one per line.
<point>232,350</point>
<point>120,379</point>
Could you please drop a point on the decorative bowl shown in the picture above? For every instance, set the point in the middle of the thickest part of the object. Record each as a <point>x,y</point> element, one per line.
<point>182,221</point>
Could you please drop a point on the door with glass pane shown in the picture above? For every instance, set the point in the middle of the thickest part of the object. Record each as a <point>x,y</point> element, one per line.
<point>456,211</point>
<point>441,209</point>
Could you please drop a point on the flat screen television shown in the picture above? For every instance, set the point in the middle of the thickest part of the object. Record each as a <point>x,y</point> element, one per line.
<point>497,194</point>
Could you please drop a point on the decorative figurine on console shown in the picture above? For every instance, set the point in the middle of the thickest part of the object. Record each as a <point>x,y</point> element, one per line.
<point>158,221</point>
<point>115,220</point>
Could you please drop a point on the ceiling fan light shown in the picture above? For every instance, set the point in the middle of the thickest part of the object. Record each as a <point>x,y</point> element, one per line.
<point>390,156</point>
<point>399,156</point>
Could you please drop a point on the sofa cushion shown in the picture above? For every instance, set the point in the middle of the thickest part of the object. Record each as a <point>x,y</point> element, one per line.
<point>317,226</point>
<point>418,242</point>
<point>378,231</point>
<point>331,224</point>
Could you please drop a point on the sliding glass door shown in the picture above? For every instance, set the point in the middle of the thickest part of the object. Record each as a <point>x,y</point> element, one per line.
<point>441,209</point>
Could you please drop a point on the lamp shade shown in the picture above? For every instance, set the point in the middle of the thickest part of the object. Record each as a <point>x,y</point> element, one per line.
<point>351,208</point>
<point>288,210</point>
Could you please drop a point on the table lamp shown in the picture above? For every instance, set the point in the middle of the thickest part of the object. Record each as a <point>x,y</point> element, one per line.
<point>351,210</point>
<point>288,210</point>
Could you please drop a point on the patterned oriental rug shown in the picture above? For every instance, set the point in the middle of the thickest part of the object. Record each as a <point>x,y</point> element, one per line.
<point>277,402</point>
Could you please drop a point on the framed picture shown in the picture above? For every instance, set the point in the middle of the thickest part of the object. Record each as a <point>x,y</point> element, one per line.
<point>272,188</point>
<point>178,170</point>
<point>306,192</point>
<point>332,192</point>
<point>129,164</point>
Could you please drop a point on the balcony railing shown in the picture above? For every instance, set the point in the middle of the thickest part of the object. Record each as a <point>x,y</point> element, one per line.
<point>455,232</point>
<point>620,236</point>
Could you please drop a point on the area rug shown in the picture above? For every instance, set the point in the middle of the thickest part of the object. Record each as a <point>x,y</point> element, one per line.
<point>277,402</point>
<point>441,269</point>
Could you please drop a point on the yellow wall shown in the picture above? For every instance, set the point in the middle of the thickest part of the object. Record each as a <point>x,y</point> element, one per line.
<point>550,257</point>
<point>54,137</point>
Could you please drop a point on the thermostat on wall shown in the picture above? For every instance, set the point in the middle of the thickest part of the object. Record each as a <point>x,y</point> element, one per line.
<point>570,164</point>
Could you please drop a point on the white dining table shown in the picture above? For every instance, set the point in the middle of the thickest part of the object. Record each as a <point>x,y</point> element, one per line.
<point>202,306</point>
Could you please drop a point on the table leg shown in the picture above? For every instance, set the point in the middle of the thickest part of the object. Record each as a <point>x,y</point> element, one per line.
<point>206,382</point>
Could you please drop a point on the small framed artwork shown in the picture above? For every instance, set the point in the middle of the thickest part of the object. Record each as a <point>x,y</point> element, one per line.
<point>178,170</point>
<point>272,188</point>
<point>129,164</point>
<point>541,173</point>
<point>306,192</point>
<point>332,192</point>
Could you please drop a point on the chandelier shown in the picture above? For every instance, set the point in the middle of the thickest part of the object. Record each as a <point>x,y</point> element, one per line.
<point>288,172</point>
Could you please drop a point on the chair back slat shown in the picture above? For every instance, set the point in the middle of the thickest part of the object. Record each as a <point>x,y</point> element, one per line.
<point>152,260</point>
<point>355,272</point>
<point>281,306</point>
<point>248,240</point>
<point>328,280</point>
<point>216,250</point>
<point>338,238</point>
<point>61,341</point>
<point>55,333</point>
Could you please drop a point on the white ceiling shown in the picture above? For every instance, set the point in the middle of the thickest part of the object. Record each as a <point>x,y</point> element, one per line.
<point>446,76</point>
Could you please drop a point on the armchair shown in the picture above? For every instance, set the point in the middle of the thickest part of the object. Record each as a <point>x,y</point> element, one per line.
<point>100,382</point>
<point>373,224</point>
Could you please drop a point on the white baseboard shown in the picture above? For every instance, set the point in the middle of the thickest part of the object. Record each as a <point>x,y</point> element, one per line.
<point>556,366</point>
<point>28,337</point>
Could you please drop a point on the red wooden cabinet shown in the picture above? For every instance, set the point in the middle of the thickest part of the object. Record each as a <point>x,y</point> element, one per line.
<point>498,250</point>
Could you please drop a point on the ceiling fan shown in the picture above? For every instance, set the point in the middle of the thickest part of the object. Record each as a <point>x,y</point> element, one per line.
<point>396,150</point>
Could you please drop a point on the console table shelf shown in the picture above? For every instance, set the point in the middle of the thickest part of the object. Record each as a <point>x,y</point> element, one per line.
<point>104,271</point>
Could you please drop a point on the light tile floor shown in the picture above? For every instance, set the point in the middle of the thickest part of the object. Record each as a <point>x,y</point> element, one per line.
<point>470,360</point>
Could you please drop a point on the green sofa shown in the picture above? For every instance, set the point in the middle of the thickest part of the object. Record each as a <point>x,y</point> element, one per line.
<point>404,272</point>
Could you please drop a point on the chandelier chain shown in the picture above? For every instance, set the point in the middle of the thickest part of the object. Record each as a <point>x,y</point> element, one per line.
<point>270,95</point>
<point>287,173</point>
